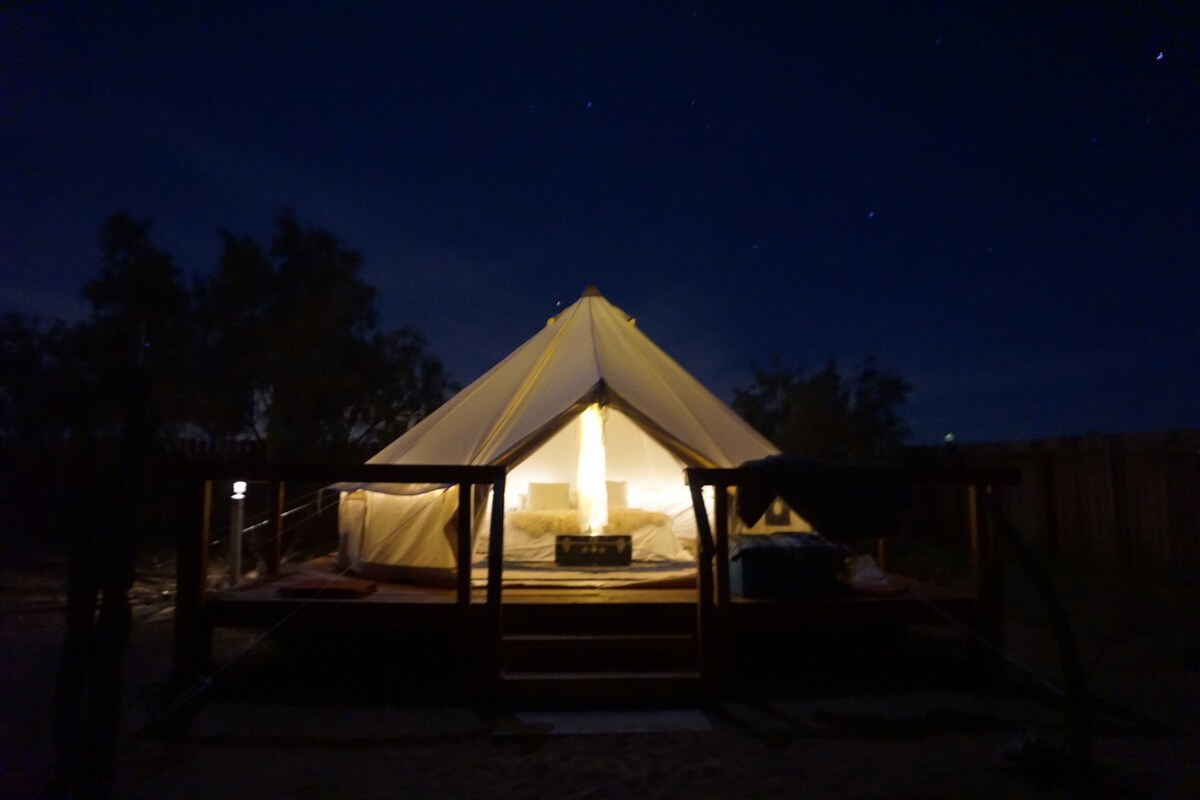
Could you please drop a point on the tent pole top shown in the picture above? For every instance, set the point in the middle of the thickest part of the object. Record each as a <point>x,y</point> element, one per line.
<point>590,291</point>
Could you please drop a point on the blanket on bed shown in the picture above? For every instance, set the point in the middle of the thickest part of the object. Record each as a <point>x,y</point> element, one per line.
<point>550,521</point>
<point>566,520</point>
<point>628,520</point>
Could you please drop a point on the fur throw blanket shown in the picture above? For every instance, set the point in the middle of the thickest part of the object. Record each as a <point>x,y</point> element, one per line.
<point>566,520</point>
<point>540,523</point>
<point>628,520</point>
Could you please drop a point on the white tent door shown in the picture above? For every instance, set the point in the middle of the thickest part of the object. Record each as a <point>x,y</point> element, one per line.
<point>654,481</point>
<point>654,478</point>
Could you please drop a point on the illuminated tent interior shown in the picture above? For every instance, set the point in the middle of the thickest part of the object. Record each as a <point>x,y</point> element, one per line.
<point>595,424</point>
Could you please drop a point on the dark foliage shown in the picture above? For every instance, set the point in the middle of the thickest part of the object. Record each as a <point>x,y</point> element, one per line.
<point>35,405</point>
<point>278,344</point>
<point>141,320</point>
<point>825,414</point>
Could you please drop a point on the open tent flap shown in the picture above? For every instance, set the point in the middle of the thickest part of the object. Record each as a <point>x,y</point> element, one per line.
<point>652,476</point>
<point>641,477</point>
<point>779,517</point>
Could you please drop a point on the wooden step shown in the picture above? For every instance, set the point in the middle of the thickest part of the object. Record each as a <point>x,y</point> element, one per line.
<point>600,689</point>
<point>595,618</point>
<point>662,652</point>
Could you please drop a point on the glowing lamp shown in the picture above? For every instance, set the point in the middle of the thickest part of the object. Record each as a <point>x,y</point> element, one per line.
<point>239,490</point>
<point>591,489</point>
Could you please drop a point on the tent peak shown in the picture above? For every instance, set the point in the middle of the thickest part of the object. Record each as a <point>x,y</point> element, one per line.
<point>590,291</point>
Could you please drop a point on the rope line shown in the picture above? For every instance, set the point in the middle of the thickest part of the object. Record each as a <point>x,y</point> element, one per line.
<point>976,636</point>
<point>222,534</point>
<point>204,682</point>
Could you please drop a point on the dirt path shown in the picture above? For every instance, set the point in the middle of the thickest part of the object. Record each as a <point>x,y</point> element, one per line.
<point>903,744</point>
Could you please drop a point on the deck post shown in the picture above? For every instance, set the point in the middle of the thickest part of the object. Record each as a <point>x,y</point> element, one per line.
<point>987,570</point>
<point>721,542</point>
<point>1050,506</point>
<point>974,541</point>
<point>273,549</point>
<point>704,586</point>
<point>995,570</point>
<point>464,544</point>
<point>193,639</point>
<point>237,521</point>
<point>883,553</point>
<point>495,570</point>
<point>463,565</point>
<point>1119,504</point>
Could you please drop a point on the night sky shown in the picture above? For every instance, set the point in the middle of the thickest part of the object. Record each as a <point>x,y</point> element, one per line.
<point>1002,204</point>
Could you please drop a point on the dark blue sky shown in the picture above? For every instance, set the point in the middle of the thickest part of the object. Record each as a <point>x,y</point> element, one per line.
<point>1000,203</point>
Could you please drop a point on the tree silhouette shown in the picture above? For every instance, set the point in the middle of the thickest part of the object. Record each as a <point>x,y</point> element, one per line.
<point>322,320</point>
<point>825,414</point>
<point>289,334</point>
<point>35,406</point>
<point>140,318</point>
<point>233,310</point>
<point>279,344</point>
<point>409,384</point>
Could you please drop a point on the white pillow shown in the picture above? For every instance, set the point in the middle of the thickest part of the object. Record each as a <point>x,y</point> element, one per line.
<point>617,494</point>
<point>548,496</point>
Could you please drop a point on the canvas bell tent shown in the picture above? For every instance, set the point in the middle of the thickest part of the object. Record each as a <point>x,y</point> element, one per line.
<point>595,424</point>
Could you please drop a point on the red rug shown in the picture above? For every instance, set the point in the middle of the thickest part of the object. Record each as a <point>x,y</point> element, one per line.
<point>328,588</point>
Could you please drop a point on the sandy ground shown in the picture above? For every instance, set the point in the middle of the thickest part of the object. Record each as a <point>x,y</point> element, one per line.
<point>922,741</point>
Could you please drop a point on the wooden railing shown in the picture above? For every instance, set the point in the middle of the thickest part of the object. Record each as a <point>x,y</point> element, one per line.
<point>986,549</point>
<point>990,532</point>
<point>193,635</point>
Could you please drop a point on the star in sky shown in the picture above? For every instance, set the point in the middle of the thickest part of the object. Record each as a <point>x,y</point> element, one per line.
<point>791,141</point>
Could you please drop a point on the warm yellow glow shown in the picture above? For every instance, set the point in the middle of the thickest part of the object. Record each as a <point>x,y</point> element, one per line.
<point>591,490</point>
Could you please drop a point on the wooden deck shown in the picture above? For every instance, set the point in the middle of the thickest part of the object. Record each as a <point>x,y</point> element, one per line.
<point>581,647</point>
<point>400,606</point>
<point>586,644</point>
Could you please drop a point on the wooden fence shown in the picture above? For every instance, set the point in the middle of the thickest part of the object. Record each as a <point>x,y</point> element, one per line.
<point>48,492</point>
<point>1125,504</point>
